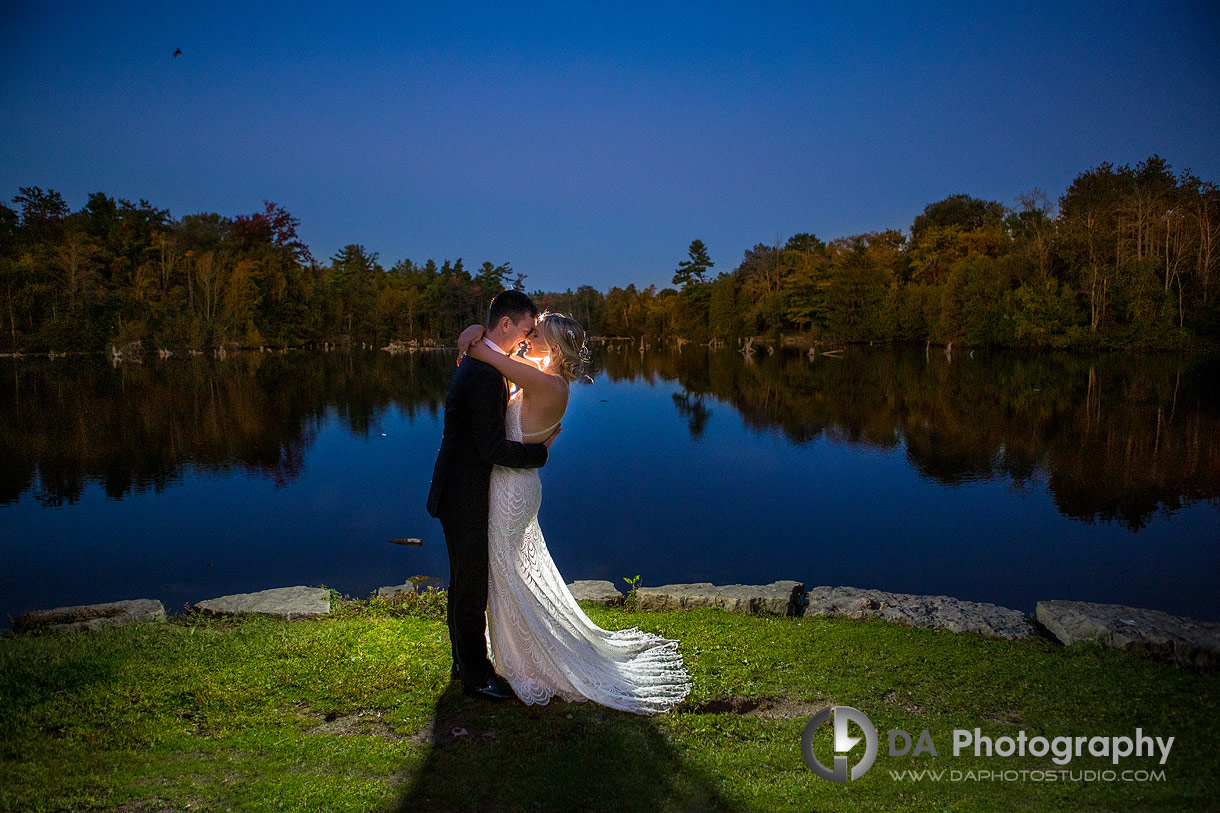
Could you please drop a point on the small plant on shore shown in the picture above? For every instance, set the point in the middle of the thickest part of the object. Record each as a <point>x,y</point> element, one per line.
<point>632,601</point>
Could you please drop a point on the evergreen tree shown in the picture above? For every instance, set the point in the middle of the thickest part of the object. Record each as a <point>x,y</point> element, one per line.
<point>692,270</point>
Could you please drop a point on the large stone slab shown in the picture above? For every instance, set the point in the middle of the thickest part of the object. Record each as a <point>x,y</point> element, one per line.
<point>780,598</point>
<point>1181,640</point>
<point>599,590</point>
<point>84,617</point>
<point>925,612</point>
<point>280,602</point>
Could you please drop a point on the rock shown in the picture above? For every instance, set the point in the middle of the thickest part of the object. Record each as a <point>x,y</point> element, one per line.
<point>780,598</point>
<point>93,616</point>
<point>396,590</point>
<point>415,584</point>
<point>1181,640</point>
<point>280,602</point>
<point>603,592</point>
<point>925,612</point>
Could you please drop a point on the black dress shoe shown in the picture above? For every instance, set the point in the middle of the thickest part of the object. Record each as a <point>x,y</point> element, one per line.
<point>495,688</point>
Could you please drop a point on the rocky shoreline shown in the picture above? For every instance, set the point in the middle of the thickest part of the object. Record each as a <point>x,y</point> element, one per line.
<point>1184,641</point>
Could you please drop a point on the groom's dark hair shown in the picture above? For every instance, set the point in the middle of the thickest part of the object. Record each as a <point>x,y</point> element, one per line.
<point>511,303</point>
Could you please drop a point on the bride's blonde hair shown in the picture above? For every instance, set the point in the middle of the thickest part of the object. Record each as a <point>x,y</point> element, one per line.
<point>567,336</point>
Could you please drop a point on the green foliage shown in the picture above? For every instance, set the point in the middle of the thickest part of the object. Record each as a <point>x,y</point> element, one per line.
<point>1040,312</point>
<point>724,317</point>
<point>692,270</point>
<point>1130,259</point>
<point>960,212</point>
<point>632,601</point>
<point>116,273</point>
<point>430,604</point>
<point>859,279</point>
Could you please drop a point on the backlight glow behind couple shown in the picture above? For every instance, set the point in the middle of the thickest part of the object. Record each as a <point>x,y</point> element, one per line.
<point>514,626</point>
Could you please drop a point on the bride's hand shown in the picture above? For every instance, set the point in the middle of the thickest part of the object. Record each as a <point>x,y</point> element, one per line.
<point>551,437</point>
<point>469,336</point>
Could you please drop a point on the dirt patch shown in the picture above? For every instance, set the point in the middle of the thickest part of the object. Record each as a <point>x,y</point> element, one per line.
<point>903,701</point>
<point>359,723</point>
<point>160,805</point>
<point>770,708</point>
<point>365,723</point>
<point>447,731</point>
<point>786,708</point>
<point>139,806</point>
<point>195,724</point>
<point>426,735</point>
<point>1006,716</point>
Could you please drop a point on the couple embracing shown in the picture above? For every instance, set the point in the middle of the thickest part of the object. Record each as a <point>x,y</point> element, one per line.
<point>507,599</point>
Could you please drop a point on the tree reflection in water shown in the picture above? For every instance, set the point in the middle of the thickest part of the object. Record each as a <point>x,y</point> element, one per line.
<point>134,428</point>
<point>1114,437</point>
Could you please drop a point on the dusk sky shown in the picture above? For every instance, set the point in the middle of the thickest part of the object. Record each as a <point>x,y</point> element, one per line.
<point>590,145</point>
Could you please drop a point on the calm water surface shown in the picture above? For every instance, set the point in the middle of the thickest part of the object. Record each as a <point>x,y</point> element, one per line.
<point>1005,478</point>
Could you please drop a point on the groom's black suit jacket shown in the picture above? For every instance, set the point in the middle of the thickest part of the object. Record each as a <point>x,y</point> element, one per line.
<point>474,440</point>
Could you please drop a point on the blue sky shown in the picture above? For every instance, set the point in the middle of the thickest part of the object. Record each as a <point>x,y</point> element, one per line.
<point>590,146</point>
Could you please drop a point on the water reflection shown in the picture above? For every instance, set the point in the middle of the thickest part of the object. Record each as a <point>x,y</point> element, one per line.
<point>1113,437</point>
<point>133,429</point>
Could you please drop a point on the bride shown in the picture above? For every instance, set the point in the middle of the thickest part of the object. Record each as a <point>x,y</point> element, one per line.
<point>541,642</point>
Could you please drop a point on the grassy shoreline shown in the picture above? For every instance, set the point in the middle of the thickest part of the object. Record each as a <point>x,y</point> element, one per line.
<point>356,712</point>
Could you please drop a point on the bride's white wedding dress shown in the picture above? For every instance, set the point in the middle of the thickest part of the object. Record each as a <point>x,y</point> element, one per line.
<point>540,640</point>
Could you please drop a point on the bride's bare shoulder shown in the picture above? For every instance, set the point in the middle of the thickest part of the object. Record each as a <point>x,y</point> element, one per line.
<point>552,390</point>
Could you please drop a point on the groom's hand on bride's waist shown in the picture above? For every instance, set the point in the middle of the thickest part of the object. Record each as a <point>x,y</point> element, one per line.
<point>551,437</point>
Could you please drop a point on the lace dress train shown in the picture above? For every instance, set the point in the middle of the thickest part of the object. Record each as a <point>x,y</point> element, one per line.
<point>540,640</point>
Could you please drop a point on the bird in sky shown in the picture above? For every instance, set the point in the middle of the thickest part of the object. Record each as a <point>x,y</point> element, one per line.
<point>177,51</point>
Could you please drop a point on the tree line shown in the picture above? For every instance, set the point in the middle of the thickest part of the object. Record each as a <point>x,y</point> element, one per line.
<point>115,273</point>
<point>1126,257</point>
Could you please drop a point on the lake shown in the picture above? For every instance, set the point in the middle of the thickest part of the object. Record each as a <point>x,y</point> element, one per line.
<point>998,477</point>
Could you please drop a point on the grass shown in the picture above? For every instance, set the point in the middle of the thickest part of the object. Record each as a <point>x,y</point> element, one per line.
<point>356,712</point>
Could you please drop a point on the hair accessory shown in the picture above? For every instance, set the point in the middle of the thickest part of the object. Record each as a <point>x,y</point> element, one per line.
<point>585,355</point>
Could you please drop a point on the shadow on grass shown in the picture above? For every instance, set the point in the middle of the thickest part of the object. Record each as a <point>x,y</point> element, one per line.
<point>561,756</point>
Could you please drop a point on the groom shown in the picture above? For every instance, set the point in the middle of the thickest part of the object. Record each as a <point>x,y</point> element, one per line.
<point>474,440</point>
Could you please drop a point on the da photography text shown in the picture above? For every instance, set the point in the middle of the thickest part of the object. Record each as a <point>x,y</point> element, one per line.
<point>1061,749</point>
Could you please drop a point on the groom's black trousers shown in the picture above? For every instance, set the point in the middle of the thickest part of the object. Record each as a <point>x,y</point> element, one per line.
<point>466,539</point>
